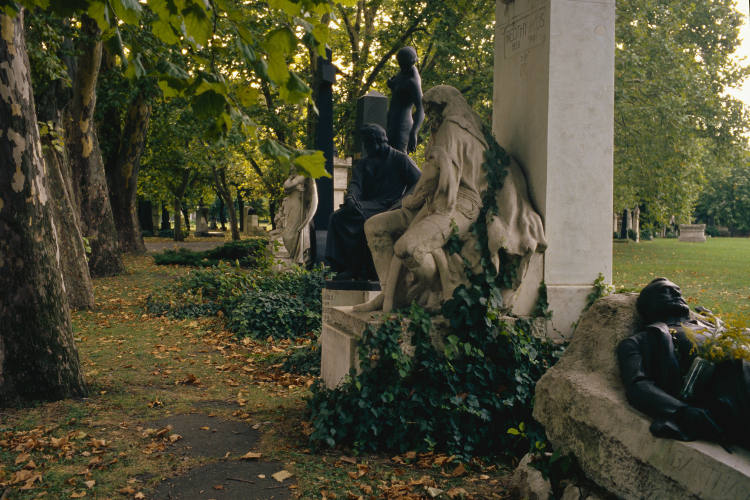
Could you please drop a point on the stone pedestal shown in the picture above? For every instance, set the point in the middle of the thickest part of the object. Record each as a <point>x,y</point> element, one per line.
<point>201,222</point>
<point>342,168</point>
<point>554,111</point>
<point>692,232</point>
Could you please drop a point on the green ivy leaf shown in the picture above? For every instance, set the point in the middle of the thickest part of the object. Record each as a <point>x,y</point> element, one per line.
<point>312,162</point>
<point>294,91</point>
<point>198,24</point>
<point>208,104</point>
<point>99,12</point>
<point>128,11</point>
<point>164,32</point>
<point>247,95</point>
<point>289,8</point>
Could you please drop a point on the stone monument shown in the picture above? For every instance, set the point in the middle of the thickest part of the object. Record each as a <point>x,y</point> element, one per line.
<point>201,222</point>
<point>553,109</point>
<point>692,232</point>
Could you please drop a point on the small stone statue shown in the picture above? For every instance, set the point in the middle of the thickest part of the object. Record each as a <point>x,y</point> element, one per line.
<point>447,198</point>
<point>663,376</point>
<point>297,210</point>
<point>406,92</point>
<point>378,182</point>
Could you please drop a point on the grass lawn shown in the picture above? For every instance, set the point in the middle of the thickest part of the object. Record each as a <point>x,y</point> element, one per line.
<point>141,369</point>
<point>714,274</point>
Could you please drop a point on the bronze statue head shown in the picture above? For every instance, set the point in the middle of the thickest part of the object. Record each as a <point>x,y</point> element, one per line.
<point>374,139</point>
<point>661,300</point>
<point>406,57</point>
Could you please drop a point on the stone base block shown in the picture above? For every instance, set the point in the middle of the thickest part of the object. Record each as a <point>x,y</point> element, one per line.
<point>341,332</point>
<point>581,403</point>
<point>566,304</point>
<point>692,232</point>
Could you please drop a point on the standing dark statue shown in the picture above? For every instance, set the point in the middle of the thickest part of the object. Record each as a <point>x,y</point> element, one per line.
<point>378,183</point>
<point>658,369</point>
<point>406,92</point>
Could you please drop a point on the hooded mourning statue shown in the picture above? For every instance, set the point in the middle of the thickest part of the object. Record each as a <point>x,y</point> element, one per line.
<point>407,244</point>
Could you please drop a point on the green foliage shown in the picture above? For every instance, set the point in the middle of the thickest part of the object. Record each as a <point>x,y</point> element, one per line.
<point>600,289</point>
<point>726,199</point>
<point>459,393</point>
<point>303,360</point>
<point>541,308</point>
<point>460,399</point>
<point>251,253</point>
<point>257,304</point>
<point>263,313</point>
<point>732,341</point>
<point>675,126</point>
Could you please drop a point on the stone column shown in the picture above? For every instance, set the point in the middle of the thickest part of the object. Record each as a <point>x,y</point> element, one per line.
<point>553,110</point>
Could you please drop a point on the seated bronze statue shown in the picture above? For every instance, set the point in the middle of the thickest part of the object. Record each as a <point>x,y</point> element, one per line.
<point>687,397</point>
<point>377,184</point>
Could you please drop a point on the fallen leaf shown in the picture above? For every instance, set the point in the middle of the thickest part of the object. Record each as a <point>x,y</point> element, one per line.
<point>205,428</point>
<point>282,475</point>
<point>127,490</point>
<point>78,494</point>
<point>349,460</point>
<point>410,455</point>
<point>30,465</point>
<point>250,455</point>
<point>139,496</point>
<point>218,486</point>
<point>434,492</point>
<point>89,484</point>
<point>457,493</point>
<point>22,458</point>
<point>173,438</point>
<point>460,470</point>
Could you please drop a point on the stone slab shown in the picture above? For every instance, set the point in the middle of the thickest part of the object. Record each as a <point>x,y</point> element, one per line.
<point>695,233</point>
<point>581,402</point>
<point>333,298</point>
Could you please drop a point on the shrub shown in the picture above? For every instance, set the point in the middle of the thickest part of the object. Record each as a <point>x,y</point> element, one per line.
<point>250,253</point>
<point>257,303</point>
<point>261,313</point>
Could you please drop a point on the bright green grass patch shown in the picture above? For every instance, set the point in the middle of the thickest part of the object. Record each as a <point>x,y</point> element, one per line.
<point>714,274</point>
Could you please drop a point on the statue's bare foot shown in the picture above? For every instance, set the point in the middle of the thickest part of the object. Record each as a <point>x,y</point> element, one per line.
<point>375,304</point>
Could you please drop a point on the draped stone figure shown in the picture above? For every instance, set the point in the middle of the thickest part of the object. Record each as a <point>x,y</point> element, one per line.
<point>407,243</point>
<point>294,218</point>
<point>406,93</point>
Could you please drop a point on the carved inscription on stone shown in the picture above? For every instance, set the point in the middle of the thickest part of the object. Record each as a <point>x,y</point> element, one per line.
<point>525,32</point>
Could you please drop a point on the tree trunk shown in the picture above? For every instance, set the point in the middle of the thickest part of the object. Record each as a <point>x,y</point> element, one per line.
<point>89,180</point>
<point>186,215</point>
<point>178,220</point>
<point>222,188</point>
<point>122,175</point>
<point>164,217</point>
<point>38,357</point>
<point>222,217</point>
<point>73,260</point>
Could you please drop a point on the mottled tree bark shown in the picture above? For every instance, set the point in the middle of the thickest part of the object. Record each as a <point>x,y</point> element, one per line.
<point>38,357</point>
<point>89,180</point>
<point>73,260</point>
<point>122,174</point>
